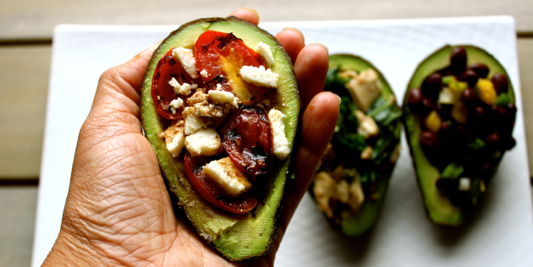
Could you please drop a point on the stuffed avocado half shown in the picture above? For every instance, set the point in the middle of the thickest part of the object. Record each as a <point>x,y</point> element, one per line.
<point>350,185</point>
<point>220,107</point>
<point>459,113</point>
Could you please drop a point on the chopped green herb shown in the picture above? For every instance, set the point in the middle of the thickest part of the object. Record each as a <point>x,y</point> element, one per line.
<point>453,170</point>
<point>448,79</point>
<point>477,144</point>
<point>503,100</point>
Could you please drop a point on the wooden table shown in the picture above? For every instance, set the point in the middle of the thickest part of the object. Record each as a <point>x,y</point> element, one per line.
<point>26,28</point>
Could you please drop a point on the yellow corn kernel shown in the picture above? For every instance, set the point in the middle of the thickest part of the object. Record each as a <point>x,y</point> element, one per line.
<point>459,112</point>
<point>486,91</point>
<point>457,86</point>
<point>433,121</point>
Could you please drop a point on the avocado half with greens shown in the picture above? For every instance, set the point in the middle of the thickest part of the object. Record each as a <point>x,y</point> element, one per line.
<point>459,113</point>
<point>350,185</point>
<point>234,236</point>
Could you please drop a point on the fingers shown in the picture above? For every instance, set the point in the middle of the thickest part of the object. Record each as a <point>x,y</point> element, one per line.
<point>292,40</point>
<point>318,123</point>
<point>115,109</point>
<point>125,79</point>
<point>311,67</point>
<point>247,14</point>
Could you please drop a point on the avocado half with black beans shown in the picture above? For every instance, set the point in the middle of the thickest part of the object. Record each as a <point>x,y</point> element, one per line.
<point>229,118</point>
<point>459,114</point>
<point>351,182</point>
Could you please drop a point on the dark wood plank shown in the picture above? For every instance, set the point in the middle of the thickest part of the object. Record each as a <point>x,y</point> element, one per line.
<point>30,19</point>
<point>17,223</point>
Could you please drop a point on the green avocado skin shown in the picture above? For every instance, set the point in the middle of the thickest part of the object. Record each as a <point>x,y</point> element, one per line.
<point>235,237</point>
<point>357,224</point>
<point>438,207</point>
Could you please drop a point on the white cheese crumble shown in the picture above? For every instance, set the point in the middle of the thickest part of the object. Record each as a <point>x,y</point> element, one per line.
<point>227,176</point>
<point>367,126</point>
<point>174,138</point>
<point>259,76</point>
<point>223,97</point>
<point>281,145</point>
<point>204,142</point>
<point>264,50</point>
<point>175,105</point>
<point>186,58</point>
<point>181,89</point>
<point>204,73</point>
<point>446,96</point>
<point>219,87</point>
<point>464,184</point>
<point>364,88</point>
<point>192,122</point>
<point>176,145</point>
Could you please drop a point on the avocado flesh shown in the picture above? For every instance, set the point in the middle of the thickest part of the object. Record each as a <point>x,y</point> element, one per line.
<point>236,237</point>
<point>356,224</point>
<point>438,206</point>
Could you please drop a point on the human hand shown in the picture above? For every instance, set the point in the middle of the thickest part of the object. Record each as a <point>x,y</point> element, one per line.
<point>118,211</point>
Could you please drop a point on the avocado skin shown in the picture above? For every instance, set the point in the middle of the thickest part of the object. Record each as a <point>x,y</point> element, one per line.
<point>438,207</point>
<point>357,224</point>
<point>235,237</point>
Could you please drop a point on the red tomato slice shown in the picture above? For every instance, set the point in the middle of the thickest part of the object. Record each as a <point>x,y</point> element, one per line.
<point>222,55</point>
<point>162,93</point>
<point>247,139</point>
<point>211,193</point>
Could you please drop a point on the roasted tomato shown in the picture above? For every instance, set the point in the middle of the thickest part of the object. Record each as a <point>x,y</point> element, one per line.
<point>247,139</point>
<point>162,93</point>
<point>211,193</point>
<point>222,56</point>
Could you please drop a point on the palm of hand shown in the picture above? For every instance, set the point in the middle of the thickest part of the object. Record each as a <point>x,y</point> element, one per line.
<point>118,211</point>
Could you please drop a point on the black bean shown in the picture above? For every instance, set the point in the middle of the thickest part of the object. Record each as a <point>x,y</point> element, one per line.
<point>428,138</point>
<point>444,111</point>
<point>427,106</point>
<point>501,85</point>
<point>446,185</point>
<point>431,86</point>
<point>481,69</point>
<point>458,60</point>
<point>468,96</point>
<point>465,134</point>
<point>508,143</point>
<point>470,77</point>
<point>511,108</point>
<point>414,99</point>
<point>461,199</point>
<point>446,132</point>
<point>493,140</point>
<point>479,111</point>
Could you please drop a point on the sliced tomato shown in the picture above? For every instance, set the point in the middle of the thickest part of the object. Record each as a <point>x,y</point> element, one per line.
<point>247,139</point>
<point>211,193</point>
<point>162,93</point>
<point>222,56</point>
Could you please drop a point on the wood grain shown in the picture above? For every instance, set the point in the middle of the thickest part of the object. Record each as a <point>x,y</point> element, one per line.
<point>35,19</point>
<point>24,75</point>
<point>17,222</point>
<point>525,59</point>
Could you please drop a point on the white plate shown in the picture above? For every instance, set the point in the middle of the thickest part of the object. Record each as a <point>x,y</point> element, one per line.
<point>501,234</point>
